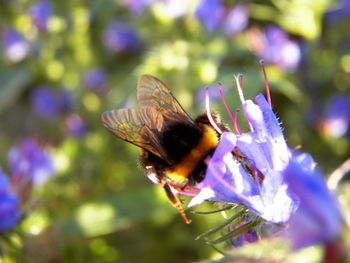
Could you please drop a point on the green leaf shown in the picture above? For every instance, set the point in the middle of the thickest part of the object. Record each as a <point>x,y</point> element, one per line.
<point>12,82</point>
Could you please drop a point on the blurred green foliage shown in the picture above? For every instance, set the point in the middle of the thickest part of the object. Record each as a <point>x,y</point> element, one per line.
<point>100,207</point>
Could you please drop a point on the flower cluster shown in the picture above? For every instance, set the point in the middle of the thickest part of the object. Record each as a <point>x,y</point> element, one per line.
<point>120,38</point>
<point>9,205</point>
<point>277,184</point>
<point>49,104</point>
<point>30,166</point>
<point>40,13</point>
<point>214,15</point>
<point>275,47</point>
<point>335,120</point>
<point>16,47</point>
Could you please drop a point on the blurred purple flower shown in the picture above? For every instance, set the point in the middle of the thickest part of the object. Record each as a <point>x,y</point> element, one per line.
<point>9,205</point>
<point>49,104</point>
<point>40,13</point>
<point>46,103</point>
<point>119,38</point>
<point>30,164</point>
<point>279,186</point>
<point>138,6</point>
<point>236,20</point>
<point>275,47</point>
<point>340,12</point>
<point>280,50</point>
<point>210,13</point>
<point>15,46</point>
<point>213,93</point>
<point>335,121</point>
<point>95,80</point>
<point>76,126</point>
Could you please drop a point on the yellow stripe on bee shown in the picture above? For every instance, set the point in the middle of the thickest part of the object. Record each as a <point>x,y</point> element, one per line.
<point>180,172</point>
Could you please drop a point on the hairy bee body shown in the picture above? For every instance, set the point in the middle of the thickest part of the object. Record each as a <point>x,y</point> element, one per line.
<point>173,146</point>
<point>188,147</point>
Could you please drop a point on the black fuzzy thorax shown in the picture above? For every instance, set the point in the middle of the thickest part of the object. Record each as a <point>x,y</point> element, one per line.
<point>177,140</point>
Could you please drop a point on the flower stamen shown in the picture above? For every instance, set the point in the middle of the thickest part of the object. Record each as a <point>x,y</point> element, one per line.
<point>207,106</point>
<point>239,81</point>
<point>225,104</point>
<point>267,88</point>
<point>235,124</point>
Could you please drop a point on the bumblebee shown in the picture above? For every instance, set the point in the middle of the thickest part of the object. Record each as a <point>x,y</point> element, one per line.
<point>173,146</point>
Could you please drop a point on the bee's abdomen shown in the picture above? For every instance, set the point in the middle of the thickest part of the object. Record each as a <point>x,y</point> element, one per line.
<point>190,162</point>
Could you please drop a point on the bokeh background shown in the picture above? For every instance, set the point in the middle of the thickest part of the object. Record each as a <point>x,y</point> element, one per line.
<point>62,63</point>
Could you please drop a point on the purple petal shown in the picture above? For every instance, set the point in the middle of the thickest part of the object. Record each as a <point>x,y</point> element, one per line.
<point>225,180</point>
<point>9,205</point>
<point>317,219</point>
<point>265,146</point>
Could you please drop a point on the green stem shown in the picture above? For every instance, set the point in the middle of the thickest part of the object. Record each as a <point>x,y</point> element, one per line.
<point>236,232</point>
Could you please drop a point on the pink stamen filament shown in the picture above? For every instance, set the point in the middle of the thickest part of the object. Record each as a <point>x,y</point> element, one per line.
<point>188,191</point>
<point>235,124</point>
<point>207,106</point>
<point>267,88</point>
<point>227,109</point>
<point>187,188</point>
<point>180,192</point>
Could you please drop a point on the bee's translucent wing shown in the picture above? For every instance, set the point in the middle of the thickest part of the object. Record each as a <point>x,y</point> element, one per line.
<point>151,92</point>
<point>141,128</point>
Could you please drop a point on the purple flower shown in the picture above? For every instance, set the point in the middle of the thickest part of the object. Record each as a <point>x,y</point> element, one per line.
<point>280,50</point>
<point>40,13</point>
<point>30,164</point>
<point>236,20</point>
<point>95,80</point>
<point>45,103</point>
<point>138,6</point>
<point>119,38</point>
<point>276,47</point>
<point>49,104</point>
<point>210,13</point>
<point>15,46</point>
<point>275,183</point>
<point>341,12</point>
<point>226,179</point>
<point>335,121</point>
<point>214,95</point>
<point>76,126</point>
<point>9,205</point>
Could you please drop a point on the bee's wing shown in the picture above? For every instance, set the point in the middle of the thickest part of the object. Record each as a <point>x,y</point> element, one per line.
<point>151,92</point>
<point>141,128</point>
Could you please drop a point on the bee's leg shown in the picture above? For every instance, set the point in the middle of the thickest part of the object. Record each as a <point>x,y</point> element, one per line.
<point>175,201</point>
